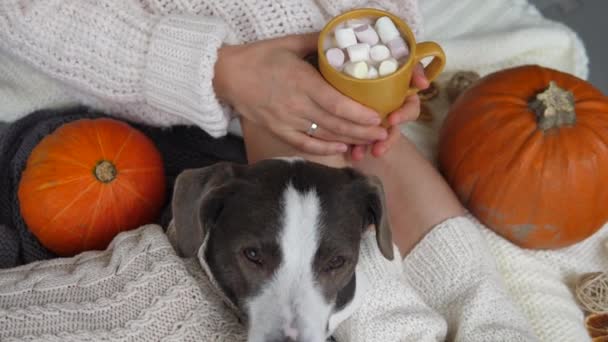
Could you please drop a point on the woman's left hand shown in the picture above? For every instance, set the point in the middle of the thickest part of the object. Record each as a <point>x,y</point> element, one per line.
<point>408,112</point>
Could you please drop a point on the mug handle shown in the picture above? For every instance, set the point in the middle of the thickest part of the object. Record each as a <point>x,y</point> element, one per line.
<point>429,49</point>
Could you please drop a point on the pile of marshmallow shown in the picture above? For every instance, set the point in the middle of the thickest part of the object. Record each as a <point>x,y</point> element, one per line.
<point>366,50</point>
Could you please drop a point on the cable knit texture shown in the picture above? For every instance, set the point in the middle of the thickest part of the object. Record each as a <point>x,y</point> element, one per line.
<point>149,60</point>
<point>136,290</point>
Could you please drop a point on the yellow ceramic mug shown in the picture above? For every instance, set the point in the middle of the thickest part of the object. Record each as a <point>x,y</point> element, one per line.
<point>384,94</point>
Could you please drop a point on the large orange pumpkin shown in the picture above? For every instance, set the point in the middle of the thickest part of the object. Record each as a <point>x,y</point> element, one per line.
<point>88,181</point>
<point>526,151</point>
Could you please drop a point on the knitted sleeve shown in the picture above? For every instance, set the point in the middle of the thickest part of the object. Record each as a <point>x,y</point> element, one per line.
<point>408,10</point>
<point>120,52</point>
<point>455,273</point>
<point>391,310</point>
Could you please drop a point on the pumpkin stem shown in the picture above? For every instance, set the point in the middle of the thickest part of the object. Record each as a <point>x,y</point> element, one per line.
<point>105,171</point>
<point>554,107</point>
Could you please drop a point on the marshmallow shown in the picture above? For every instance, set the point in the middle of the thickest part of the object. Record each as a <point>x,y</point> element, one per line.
<point>379,53</point>
<point>372,72</point>
<point>345,37</point>
<point>388,67</point>
<point>366,34</point>
<point>386,29</point>
<point>398,47</point>
<point>335,57</point>
<point>356,69</point>
<point>354,23</point>
<point>358,52</point>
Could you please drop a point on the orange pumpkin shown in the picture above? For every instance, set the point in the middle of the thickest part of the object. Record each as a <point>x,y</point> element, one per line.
<point>526,151</point>
<point>88,181</point>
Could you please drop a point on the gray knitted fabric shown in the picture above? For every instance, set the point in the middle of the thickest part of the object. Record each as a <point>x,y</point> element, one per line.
<point>8,236</point>
<point>9,246</point>
<point>181,147</point>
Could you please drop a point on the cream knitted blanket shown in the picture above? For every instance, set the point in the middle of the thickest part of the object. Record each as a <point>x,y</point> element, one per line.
<point>136,290</point>
<point>486,36</point>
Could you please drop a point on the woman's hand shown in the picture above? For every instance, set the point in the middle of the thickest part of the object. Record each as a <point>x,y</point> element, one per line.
<point>270,84</point>
<point>408,112</point>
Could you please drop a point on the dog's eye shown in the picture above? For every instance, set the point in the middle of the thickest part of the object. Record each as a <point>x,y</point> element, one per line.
<point>253,255</point>
<point>335,263</point>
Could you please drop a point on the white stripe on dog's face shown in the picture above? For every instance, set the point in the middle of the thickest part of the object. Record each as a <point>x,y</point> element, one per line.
<point>291,304</point>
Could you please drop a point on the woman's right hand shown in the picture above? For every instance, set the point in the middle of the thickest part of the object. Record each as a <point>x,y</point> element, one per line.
<point>270,84</point>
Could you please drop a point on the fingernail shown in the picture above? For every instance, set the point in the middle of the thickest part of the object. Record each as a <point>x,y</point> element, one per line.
<point>383,135</point>
<point>342,148</point>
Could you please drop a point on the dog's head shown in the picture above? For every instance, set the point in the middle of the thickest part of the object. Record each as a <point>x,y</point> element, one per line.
<point>281,238</point>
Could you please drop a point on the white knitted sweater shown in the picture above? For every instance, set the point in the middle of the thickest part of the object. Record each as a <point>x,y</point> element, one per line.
<point>150,60</point>
<point>152,87</point>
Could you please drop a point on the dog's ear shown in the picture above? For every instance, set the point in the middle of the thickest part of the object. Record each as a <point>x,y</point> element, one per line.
<point>197,201</point>
<point>378,215</point>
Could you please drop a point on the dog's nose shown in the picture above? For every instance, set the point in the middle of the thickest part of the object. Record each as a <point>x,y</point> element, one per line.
<point>291,334</point>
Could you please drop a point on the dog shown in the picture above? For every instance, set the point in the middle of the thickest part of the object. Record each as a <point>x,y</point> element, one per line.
<point>280,239</point>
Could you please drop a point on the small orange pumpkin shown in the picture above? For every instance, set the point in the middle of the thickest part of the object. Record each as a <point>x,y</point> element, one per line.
<point>88,181</point>
<point>526,151</point>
